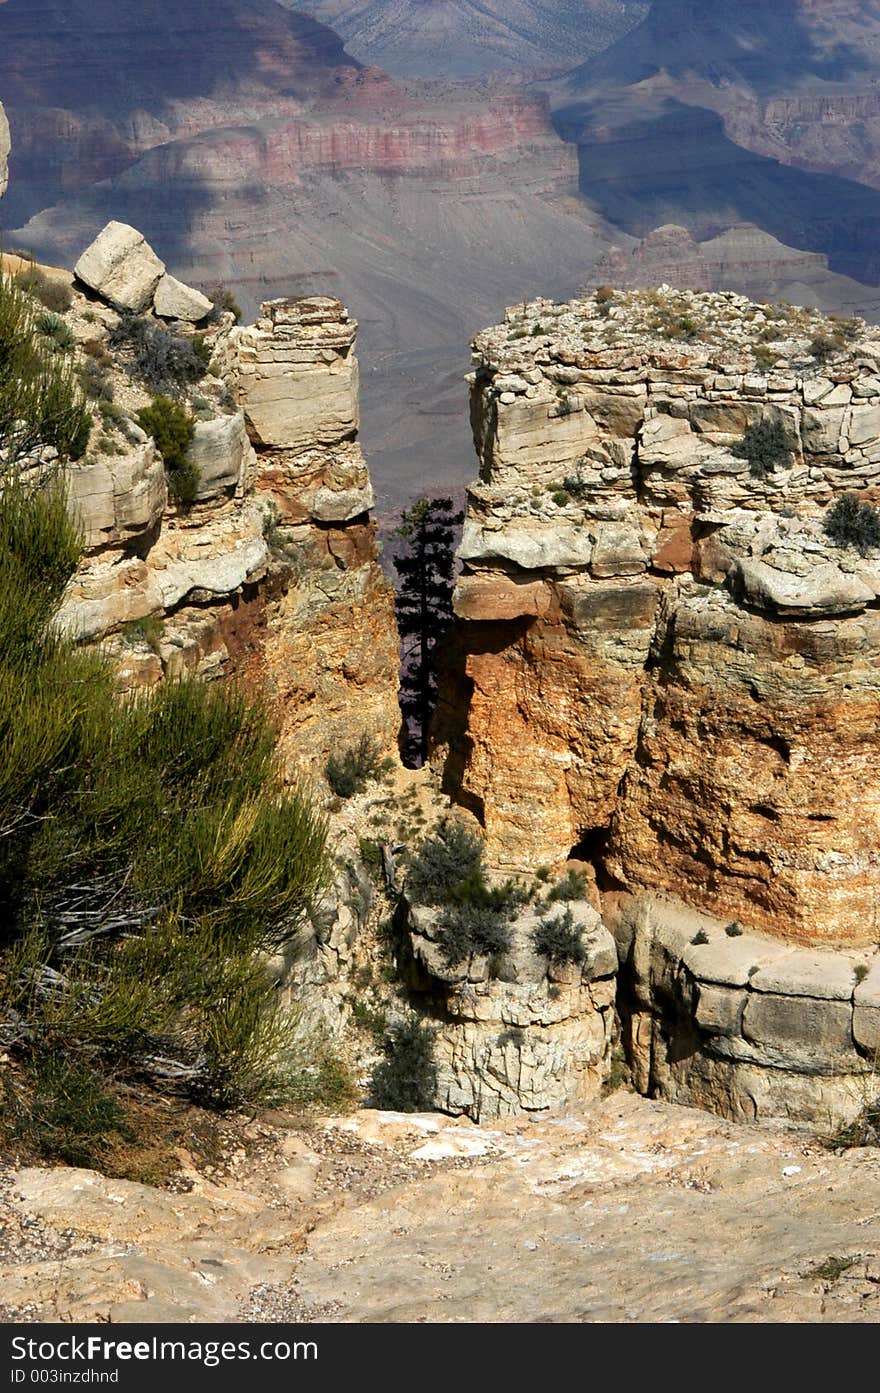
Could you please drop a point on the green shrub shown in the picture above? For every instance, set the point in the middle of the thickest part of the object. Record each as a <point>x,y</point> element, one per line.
<point>41,402</point>
<point>852,523</point>
<point>150,853</point>
<point>538,330</point>
<point>202,349</point>
<point>472,928</point>
<point>350,772</point>
<point>406,1079</point>
<point>561,498</point>
<point>766,445</point>
<point>53,294</point>
<point>166,362</point>
<point>572,886</point>
<point>56,331</point>
<point>557,938</point>
<point>71,1114</point>
<point>444,864</point>
<point>224,303</point>
<point>172,428</point>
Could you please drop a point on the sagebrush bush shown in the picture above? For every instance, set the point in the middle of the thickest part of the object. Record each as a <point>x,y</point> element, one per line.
<point>406,1079</point>
<point>470,928</point>
<point>96,381</point>
<point>852,523</point>
<point>165,361</point>
<point>557,938</point>
<point>446,862</point>
<point>350,772</point>
<point>766,445</point>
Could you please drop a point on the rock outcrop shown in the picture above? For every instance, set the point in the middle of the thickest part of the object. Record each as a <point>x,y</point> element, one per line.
<point>271,573</point>
<point>518,1034</point>
<point>666,665</point>
<point>724,1018</point>
<point>330,650</point>
<point>662,649</point>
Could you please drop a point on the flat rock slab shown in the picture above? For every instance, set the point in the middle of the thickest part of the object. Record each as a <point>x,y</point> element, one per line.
<point>829,976</point>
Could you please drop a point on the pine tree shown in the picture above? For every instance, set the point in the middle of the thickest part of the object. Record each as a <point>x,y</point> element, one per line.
<point>425,565</point>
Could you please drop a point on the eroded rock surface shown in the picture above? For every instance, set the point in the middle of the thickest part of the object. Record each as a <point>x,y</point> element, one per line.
<point>662,655</point>
<point>271,573</point>
<point>518,1034</point>
<point>724,1018</point>
<point>621,1212</point>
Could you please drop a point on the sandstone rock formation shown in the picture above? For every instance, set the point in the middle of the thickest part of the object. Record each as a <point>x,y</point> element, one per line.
<point>122,268</point>
<point>330,650</point>
<point>271,574</point>
<point>663,659</point>
<point>738,1022</point>
<point>521,1034</point>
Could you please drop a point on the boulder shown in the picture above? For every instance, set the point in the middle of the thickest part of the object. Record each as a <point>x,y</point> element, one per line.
<point>121,267</point>
<point>219,451</point>
<point>174,300</point>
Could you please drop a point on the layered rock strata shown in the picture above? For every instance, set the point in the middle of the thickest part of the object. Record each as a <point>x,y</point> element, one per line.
<point>271,573</point>
<point>517,1033</point>
<point>330,650</point>
<point>661,656</point>
<point>727,1019</point>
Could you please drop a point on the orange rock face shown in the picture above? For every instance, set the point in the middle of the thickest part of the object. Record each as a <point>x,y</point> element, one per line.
<point>662,657</point>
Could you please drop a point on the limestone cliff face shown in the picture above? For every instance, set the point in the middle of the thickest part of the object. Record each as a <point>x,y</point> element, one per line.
<point>330,651</point>
<point>661,658</point>
<point>271,574</point>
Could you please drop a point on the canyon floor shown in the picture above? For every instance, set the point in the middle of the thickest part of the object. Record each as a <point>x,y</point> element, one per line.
<point>633,1211</point>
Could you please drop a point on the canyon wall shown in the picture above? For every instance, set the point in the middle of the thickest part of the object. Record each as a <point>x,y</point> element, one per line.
<point>662,661</point>
<point>270,574</point>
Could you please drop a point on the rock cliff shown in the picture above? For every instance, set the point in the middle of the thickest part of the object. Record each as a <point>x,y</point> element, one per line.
<point>666,666</point>
<point>270,572</point>
<point>662,654</point>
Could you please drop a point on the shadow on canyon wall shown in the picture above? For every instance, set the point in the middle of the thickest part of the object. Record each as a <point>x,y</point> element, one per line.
<point>676,165</point>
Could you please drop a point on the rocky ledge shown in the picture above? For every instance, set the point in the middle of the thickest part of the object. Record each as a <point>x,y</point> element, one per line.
<point>732,1020</point>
